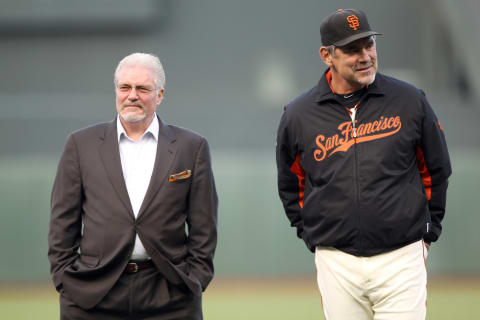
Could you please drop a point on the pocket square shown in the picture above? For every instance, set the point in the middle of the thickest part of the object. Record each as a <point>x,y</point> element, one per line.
<point>180,176</point>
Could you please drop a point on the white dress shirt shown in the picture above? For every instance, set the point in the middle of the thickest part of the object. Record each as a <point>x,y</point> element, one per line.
<point>138,158</point>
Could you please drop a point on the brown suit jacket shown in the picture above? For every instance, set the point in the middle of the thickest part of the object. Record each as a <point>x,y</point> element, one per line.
<point>93,228</point>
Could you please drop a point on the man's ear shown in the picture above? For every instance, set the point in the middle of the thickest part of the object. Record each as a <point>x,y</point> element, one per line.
<point>159,96</point>
<point>325,55</point>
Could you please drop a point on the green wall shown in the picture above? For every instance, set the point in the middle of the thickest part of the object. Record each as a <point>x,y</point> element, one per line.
<point>254,234</point>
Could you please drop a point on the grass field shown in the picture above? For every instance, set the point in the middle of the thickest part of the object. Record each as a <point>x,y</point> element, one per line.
<point>292,298</point>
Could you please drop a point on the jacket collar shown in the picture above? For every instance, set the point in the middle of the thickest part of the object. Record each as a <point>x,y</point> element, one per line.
<point>323,91</point>
<point>110,155</point>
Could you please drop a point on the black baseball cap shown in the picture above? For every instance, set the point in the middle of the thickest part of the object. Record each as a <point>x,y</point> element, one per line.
<point>345,26</point>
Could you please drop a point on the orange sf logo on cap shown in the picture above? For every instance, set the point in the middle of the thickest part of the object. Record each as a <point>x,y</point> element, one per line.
<point>353,22</point>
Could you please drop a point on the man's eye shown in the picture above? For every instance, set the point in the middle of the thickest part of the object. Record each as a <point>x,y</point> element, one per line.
<point>124,88</point>
<point>144,90</point>
<point>350,50</point>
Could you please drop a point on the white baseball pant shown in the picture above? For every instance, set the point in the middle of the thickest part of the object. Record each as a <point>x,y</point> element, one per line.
<point>388,286</point>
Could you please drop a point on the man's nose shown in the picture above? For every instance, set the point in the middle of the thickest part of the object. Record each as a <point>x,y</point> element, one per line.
<point>133,95</point>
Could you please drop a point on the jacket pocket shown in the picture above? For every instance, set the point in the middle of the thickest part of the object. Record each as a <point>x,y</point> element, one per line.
<point>178,258</point>
<point>183,266</point>
<point>89,261</point>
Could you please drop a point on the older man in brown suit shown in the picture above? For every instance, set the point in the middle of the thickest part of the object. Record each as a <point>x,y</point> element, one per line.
<point>133,210</point>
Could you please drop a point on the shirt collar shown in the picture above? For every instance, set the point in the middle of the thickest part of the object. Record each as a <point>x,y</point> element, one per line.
<point>152,128</point>
<point>325,92</point>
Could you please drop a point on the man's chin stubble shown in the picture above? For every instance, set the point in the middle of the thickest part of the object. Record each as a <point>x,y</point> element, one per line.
<point>133,118</point>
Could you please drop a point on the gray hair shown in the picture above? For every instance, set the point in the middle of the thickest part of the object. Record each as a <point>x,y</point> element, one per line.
<point>147,60</point>
<point>331,49</point>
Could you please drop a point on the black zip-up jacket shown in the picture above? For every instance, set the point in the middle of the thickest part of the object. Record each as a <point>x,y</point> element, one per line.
<point>366,188</point>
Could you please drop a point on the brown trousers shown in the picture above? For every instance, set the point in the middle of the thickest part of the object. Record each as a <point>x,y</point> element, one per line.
<point>144,295</point>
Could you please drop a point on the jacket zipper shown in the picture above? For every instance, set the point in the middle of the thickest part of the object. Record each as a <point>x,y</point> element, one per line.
<point>355,168</point>
<point>357,187</point>
<point>353,115</point>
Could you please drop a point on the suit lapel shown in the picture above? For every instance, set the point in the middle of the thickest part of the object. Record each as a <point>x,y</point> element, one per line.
<point>166,152</point>
<point>110,155</point>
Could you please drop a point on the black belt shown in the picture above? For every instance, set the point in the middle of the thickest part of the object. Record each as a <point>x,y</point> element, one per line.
<point>134,266</point>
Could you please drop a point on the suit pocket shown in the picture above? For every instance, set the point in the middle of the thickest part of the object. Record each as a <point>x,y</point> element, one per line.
<point>178,258</point>
<point>89,261</point>
<point>183,266</point>
<point>181,176</point>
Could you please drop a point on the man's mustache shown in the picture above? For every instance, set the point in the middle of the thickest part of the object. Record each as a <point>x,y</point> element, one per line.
<point>130,104</point>
<point>363,66</point>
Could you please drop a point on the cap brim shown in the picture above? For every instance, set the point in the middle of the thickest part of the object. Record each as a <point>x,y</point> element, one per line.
<point>355,37</point>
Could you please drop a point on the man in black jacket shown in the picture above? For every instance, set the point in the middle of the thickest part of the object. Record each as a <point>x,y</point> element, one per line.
<point>363,171</point>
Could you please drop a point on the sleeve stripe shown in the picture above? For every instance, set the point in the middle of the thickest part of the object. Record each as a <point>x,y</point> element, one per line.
<point>426,177</point>
<point>297,169</point>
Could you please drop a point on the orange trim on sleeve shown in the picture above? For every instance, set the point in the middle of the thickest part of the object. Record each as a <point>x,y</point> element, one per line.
<point>422,168</point>
<point>297,169</point>
<point>440,125</point>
